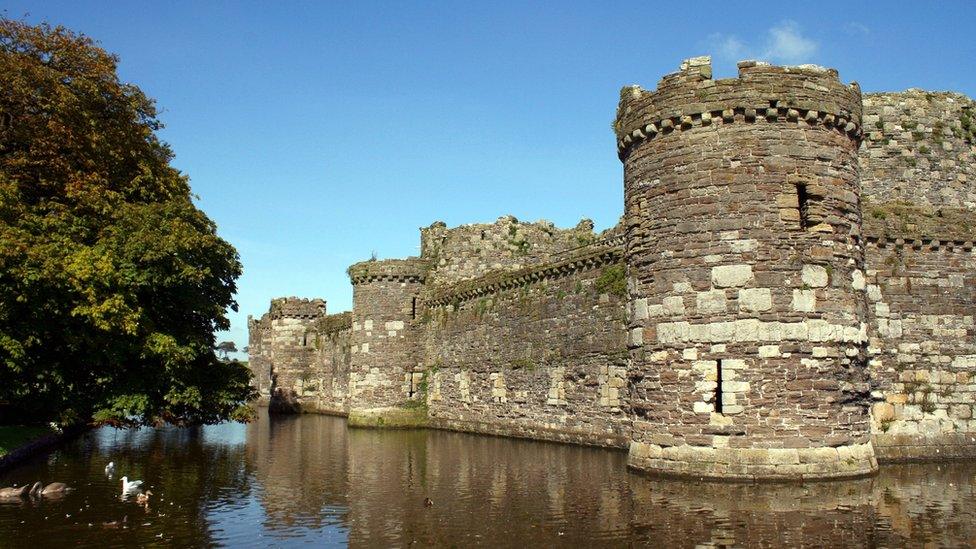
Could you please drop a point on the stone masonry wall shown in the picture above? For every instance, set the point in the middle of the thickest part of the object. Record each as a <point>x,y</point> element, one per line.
<point>748,330</point>
<point>539,353</point>
<point>287,348</point>
<point>384,331</point>
<point>470,251</point>
<point>259,355</point>
<point>923,342</point>
<point>918,148</point>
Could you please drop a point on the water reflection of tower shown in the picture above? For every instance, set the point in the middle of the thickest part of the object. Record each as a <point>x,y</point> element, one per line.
<point>300,463</point>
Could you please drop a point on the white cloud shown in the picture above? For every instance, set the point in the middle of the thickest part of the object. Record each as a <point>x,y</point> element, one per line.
<point>788,45</point>
<point>857,29</point>
<point>783,43</point>
<point>726,46</point>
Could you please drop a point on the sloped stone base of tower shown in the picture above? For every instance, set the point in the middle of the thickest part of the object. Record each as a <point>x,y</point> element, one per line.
<point>393,417</point>
<point>754,464</point>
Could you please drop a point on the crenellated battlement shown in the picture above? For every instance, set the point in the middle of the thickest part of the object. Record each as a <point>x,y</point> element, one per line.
<point>806,94</point>
<point>411,269</point>
<point>331,324</point>
<point>294,307</point>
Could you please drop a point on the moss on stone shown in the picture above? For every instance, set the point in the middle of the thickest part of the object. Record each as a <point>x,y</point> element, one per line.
<point>613,280</point>
<point>899,219</point>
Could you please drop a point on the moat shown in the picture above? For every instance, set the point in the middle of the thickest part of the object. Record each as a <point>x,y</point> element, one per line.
<point>284,481</point>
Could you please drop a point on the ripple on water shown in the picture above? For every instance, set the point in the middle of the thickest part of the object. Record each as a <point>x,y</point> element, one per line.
<point>308,479</point>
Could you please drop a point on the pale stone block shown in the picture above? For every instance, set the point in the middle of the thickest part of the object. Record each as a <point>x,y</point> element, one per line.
<point>717,348</point>
<point>394,325</point>
<point>712,301</point>
<point>636,337</point>
<point>755,299</point>
<point>726,276</point>
<point>745,245</point>
<point>364,348</point>
<point>702,408</point>
<point>857,279</point>
<point>682,287</point>
<point>735,386</point>
<point>769,351</point>
<point>804,300</point>
<point>690,354</point>
<point>658,356</point>
<point>640,309</point>
<point>734,364</point>
<point>704,366</point>
<point>874,292</point>
<point>814,276</point>
<point>368,324</point>
<point>674,305</point>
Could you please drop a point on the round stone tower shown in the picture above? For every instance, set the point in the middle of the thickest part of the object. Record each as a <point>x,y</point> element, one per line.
<point>745,264</point>
<point>287,349</point>
<point>384,339</point>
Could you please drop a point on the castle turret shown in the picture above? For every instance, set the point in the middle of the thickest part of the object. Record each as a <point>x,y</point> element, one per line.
<point>287,348</point>
<point>745,265</point>
<point>259,355</point>
<point>384,339</point>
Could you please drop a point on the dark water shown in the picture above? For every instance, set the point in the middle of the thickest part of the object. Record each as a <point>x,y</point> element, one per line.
<point>308,480</point>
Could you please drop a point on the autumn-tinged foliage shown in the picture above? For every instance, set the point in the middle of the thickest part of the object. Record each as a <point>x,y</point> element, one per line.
<point>112,282</point>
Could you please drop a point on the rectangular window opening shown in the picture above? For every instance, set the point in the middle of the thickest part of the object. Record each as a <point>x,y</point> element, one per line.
<point>803,204</point>
<point>413,308</point>
<point>718,387</point>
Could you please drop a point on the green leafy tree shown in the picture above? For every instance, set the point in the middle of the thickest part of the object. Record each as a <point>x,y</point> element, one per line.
<point>226,347</point>
<point>112,282</point>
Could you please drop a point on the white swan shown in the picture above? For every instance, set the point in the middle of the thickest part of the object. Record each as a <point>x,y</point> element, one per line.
<point>110,469</point>
<point>129,488</point>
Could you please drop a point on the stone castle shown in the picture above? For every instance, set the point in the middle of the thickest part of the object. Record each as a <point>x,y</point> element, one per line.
<point>790,294</point>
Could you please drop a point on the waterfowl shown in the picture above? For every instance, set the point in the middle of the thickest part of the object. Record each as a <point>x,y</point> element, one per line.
<point>55,488</point>
<point>14,492</point>
<point>132,487</point>
<point>143,498</point>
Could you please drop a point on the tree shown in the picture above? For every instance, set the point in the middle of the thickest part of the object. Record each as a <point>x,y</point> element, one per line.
<point>112,282</point>
<point>226,347</point>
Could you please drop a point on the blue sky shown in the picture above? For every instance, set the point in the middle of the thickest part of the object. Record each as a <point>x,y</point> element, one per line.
<point>316,133</point>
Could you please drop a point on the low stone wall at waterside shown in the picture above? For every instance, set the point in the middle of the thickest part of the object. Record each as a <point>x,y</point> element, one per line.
<point>922,296</point>
<point>538,353</point>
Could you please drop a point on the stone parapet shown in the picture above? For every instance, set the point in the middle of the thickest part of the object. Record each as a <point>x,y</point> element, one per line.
<point>582,258</point>
<point>411,269</point>
<point>294,307</point>
<point>807,95</point>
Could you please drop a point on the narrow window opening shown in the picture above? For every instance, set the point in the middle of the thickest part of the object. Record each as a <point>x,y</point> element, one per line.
<point>803,204</point>
<point>413,308</point>
<point>718,387</point>
<point>482,235</point>
<point>305,340</point>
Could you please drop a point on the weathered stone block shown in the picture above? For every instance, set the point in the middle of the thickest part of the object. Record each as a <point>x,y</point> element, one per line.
<point>727,276</point>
